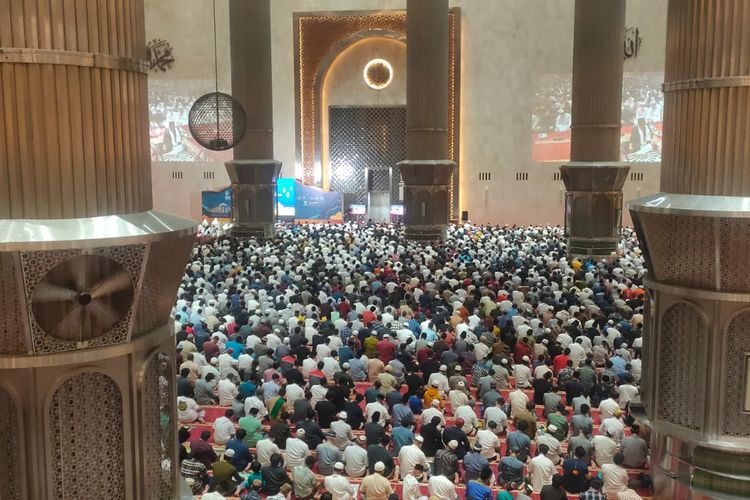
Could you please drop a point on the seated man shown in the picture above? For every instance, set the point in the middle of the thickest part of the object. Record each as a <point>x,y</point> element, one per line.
<point>225,475</point>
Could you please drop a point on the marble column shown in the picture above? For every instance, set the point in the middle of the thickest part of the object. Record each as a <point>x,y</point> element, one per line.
<point>696,237</point>
<point>427,171</point>
<point>253,172</point>
<point>89,270</point>
<point>594,177</point>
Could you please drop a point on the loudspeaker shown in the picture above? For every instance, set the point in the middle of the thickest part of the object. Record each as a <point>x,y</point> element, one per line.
<point>465,216</point>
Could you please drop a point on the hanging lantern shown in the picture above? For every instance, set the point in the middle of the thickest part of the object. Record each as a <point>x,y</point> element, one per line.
<point>217,121</point>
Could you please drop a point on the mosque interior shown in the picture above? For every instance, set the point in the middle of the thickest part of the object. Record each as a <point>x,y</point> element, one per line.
<point>364,193</point>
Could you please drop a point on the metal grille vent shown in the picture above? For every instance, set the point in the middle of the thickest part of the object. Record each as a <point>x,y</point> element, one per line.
<point>366,138</point>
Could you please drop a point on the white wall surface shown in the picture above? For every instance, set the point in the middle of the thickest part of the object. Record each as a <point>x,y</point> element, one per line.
<point>506,46</point>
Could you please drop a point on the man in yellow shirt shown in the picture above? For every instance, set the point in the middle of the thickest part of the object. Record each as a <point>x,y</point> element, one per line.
<point>375,486</point>
<point>433,393</point>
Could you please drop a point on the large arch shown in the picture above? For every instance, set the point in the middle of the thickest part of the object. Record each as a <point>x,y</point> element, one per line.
<point>318,38</point>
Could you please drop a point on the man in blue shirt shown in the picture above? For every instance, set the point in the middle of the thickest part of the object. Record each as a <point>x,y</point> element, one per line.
<point>402,413</point>
<point>236,347</point>
<point>402,436</point>
<point>575,472</point>
<point>511,471</point>
<point>474,463</point>
<point>518,441</point>
<point>480,489</point>
<point>242,455</point>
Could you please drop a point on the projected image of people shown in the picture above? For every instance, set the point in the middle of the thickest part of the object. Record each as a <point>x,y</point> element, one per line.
<point>642,105</point>
<point>169,104</point>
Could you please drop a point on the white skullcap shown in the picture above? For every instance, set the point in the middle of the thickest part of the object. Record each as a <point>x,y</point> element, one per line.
<point>525,359</point>
<point>443,368</point>
<point>435,403</point>
<point>453,444</point>
<point>379,467</point>
<point>338,466</point>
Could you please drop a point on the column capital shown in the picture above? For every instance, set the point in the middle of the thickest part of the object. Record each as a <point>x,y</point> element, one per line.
<point>427,172</point>
<point>253,171</point>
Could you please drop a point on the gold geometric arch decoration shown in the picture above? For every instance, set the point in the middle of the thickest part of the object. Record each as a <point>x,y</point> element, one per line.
<point>319,37</point>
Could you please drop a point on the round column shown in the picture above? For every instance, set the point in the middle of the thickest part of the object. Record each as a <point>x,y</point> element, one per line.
<point>89,270</point>
<point>697,342</point>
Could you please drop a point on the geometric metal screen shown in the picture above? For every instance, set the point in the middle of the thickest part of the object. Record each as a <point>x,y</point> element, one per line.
<point>88,451</point>
<point>366,138</point>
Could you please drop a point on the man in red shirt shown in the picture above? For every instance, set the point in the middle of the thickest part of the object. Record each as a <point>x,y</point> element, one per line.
<point>211,349</point>
<point>368,316</point>
<point>520,350</point>
<point>560,361</point>
<point>424,353</point>
<point>344,309</point>
<point>386,349</point>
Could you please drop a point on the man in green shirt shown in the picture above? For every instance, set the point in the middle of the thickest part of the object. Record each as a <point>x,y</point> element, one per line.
<point>251,424</point>
<point>225,475</point>
<point>305,482</point>
<point>558,419</point>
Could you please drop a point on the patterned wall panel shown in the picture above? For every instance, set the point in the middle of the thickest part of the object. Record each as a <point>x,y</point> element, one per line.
<point>735,246</point>
<point>10,460</point>
<point>87,439</point>
<point>158,431</point>
<point>366,138</point>
<point>689,237</point>
<point>12,327</point>
<point>735,422</point>
<point>163,271</point>
<point>682,366</point>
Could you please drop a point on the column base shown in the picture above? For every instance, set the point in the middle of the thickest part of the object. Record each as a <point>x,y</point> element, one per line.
<point>426,233</point>
<point>426,198</point>
<point>591,247</point>
<point>253,196</point>
<point>260,230</point>
<point>593,206</point>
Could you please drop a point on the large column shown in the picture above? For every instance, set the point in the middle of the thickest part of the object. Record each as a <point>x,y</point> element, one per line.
<point>89,270</point>
<point>594,177</point>
<point>253,171</point>
<point>427,170</point>
<point>696,237</point>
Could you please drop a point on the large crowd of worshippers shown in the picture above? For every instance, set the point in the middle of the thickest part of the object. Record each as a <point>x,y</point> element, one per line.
<point>343,362</point>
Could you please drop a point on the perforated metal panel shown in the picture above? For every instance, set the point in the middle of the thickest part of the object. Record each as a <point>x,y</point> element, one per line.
<point>158,432</point>
<point>735,247</point>
<point>163,272</point>
<point>12,337</point>
<point>87,448</point>
<point>682,366</point>
<point>734,421</point>
<point>681,249</point>
<point>10,460</point>
<point>366,138</point>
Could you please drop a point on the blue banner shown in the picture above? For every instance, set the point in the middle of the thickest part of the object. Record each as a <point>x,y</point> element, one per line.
<point>285,197</point>
<point>217,204</point>
<point>312,203</point>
